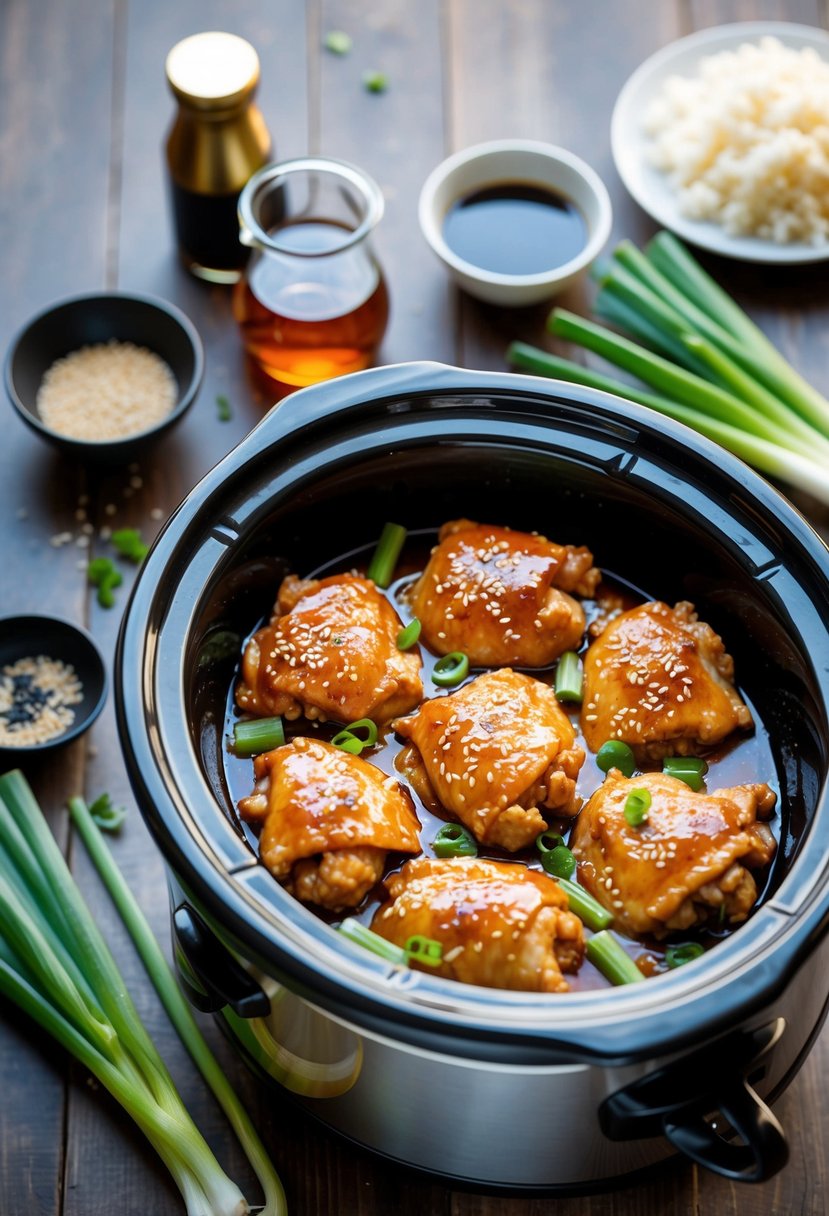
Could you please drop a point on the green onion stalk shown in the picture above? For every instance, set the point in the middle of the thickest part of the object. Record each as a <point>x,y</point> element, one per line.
<point>704,362</point>
<point>55,965</point>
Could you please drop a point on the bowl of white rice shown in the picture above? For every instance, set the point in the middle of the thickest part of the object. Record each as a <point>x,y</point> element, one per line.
<point>102,376</point>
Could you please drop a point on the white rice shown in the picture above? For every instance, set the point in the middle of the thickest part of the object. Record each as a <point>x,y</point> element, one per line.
<point>745,144</point>
<point>106,391</point>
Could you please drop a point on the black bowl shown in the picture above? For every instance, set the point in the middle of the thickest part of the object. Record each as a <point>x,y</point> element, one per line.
<point>90,320</point>
<point>28,636</point>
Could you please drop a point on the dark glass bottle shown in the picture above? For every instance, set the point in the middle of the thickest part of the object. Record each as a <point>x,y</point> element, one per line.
<point>217,140</point>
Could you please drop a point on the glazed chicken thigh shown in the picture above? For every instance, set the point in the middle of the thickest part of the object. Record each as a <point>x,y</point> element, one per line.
<point>688,862</point>
<point>500,924</point>
<point>502,597</point>
<point>660,680</point>
<point>328,819</point>
<point>330,651</point>
<point>492,754</point>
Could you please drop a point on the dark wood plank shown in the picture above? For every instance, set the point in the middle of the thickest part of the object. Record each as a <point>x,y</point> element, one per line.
<point>397,137</point>
<point>53,215</point>
<point>547,72</point>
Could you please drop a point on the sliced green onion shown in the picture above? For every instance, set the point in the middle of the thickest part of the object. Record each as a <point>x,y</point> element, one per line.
<point>106,814</point>
<point>407,637</point>
<point>422,949</point>
<point>453,840</point>
<point>337,42</point>
<point>556,858</point>
<point>616,754</point>
<point>381,567</point>
<point>347,742</point>
<point>605,953</point>
<point>569,685</point>
<point>546,841</point>
<point>682,953</point>
<point>355,932</point>
<point>364,724</point>
<point>637,806</point>
<point>451,669</point>
<point>375,82</point>
<point>260,735</point>
<point>559,862</point>
<point>689,769</point>
<point>585,906</point>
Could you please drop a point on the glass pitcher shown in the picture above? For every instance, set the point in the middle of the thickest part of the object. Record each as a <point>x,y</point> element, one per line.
<point>313,302</point>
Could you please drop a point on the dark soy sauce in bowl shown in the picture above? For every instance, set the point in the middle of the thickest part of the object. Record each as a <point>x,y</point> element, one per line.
<point>515,228</point>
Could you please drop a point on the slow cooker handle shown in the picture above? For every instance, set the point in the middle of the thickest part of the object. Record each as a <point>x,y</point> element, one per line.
<point>675,1101</point>
<point>763,1152</point>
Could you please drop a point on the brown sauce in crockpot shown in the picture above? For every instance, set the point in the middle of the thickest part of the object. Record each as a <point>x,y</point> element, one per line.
<point>740,759</point>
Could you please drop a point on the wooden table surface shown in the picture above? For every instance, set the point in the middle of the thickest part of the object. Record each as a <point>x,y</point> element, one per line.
<point>83,116</point>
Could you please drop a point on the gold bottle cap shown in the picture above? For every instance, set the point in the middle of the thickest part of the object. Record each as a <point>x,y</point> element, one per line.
<point>213,70</point>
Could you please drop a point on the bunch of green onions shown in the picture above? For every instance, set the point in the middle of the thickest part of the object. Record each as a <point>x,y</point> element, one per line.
<point>711,367</point>
<point>56,966</point>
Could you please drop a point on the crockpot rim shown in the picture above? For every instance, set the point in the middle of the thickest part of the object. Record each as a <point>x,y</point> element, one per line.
<point>303,412</point>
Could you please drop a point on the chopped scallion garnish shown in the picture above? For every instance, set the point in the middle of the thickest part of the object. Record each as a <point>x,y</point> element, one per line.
<point>451,669</point>
<point>637,807</point>
<point>375,82</point>
<point>347,742</point>
<point>616,754</point>
<point>381,567</point>
<point>689,769</point>
<point>128,543</point>
<point>605,953</point>
<point>682,953</point>
<point>337,42</point>
<point>260,735</point>
<point>585,906</point>
<point>453,840</point>
<point>106,814</point>
<point>556,858</point>
<point>569,683</point>
<point>407,637</point>
<point>356,932</point>
<point>420,949</point>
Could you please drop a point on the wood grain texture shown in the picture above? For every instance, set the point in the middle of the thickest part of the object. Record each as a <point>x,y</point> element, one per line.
<point>84,111</point>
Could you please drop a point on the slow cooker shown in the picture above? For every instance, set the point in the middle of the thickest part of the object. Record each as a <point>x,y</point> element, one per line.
<point>482,1086</point>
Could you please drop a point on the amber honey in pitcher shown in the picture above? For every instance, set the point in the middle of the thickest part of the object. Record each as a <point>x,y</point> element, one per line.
<point>305,321</point>
<point>313,303</point>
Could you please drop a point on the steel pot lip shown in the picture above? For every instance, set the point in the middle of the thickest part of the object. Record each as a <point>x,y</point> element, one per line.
<point>738,978</point>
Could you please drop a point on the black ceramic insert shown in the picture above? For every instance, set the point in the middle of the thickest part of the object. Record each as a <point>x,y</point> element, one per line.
<point>420,444</point>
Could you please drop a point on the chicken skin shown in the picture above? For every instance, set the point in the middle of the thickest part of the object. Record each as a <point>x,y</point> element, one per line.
<point>500,924</point>
<point>687,863</point>
<point>660,680</point>
<point>502,597</point>
<point>492,754</point>
<point>330,651</point>
<point>328,819</point>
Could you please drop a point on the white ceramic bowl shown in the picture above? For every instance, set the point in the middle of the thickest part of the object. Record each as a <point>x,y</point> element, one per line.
<point>514,160</point>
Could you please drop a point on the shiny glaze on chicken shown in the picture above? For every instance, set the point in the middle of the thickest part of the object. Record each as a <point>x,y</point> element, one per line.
<point>689,862</point>
<point>500,924</point>
<point>330,652</point>
<point>328,819</point>
<point>492,755</point>
<point>660,680</point>
<point>504,598</point>
<point>539,763</point>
